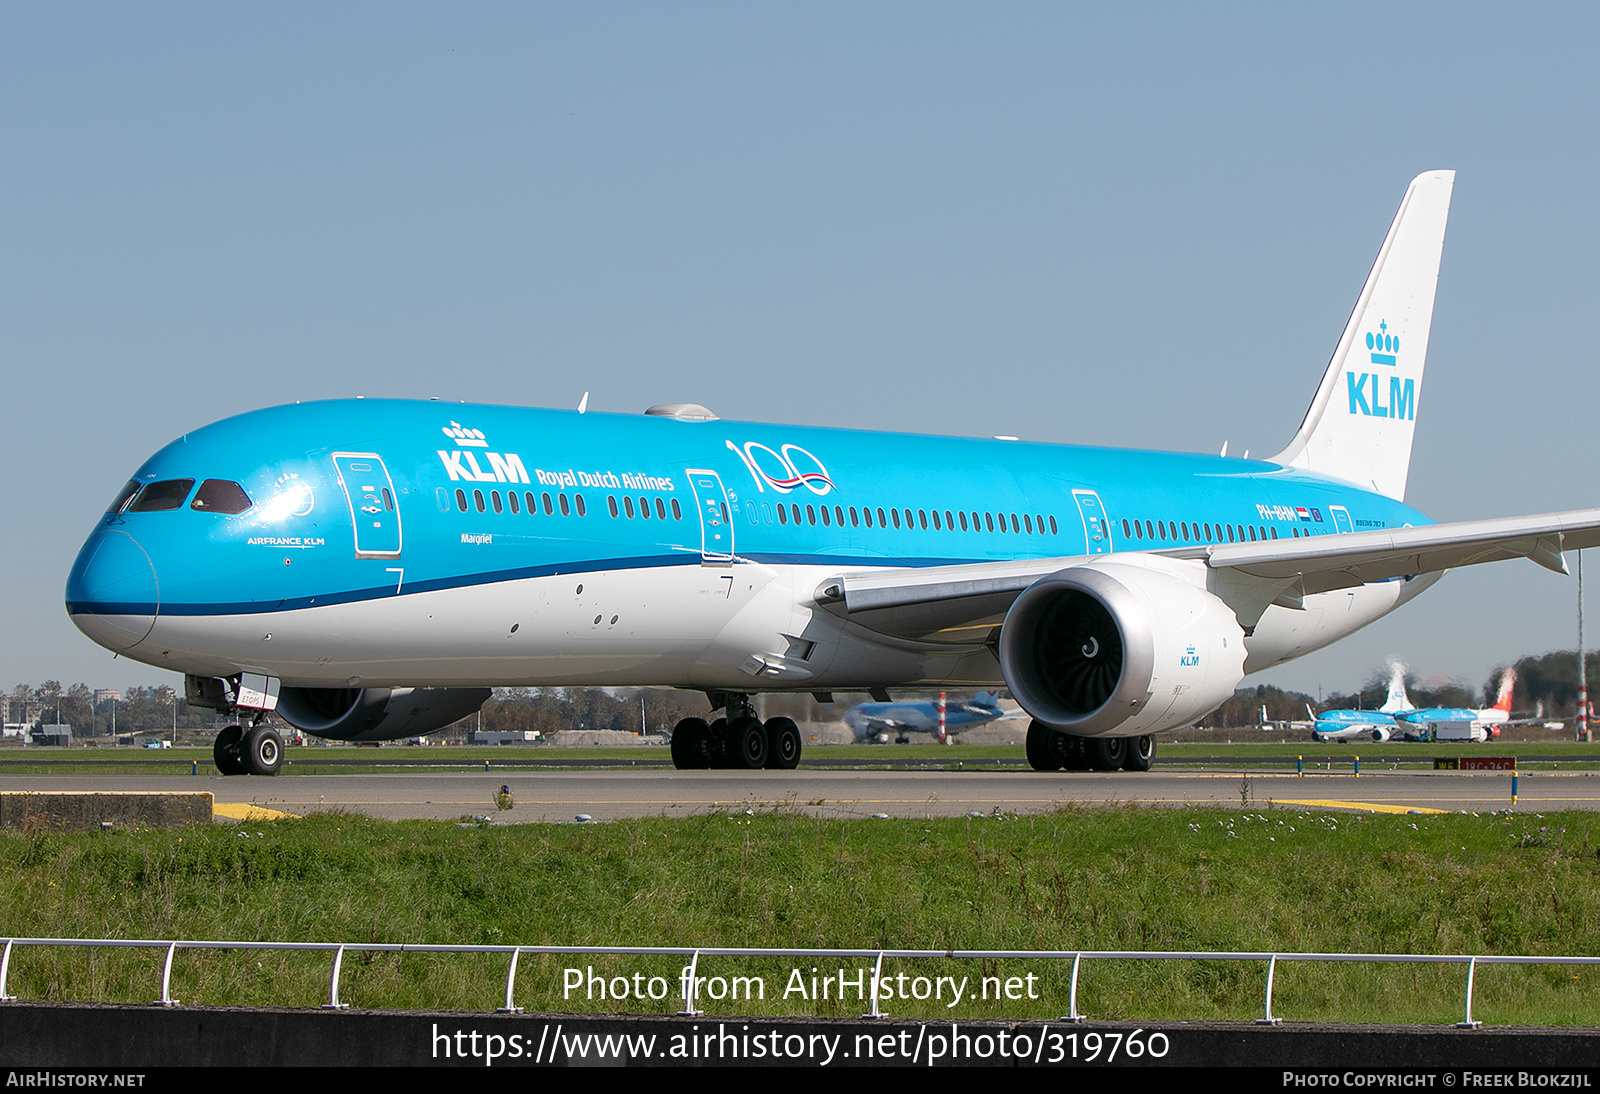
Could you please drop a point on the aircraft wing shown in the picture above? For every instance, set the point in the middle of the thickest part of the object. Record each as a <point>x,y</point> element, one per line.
<point>964,603</point>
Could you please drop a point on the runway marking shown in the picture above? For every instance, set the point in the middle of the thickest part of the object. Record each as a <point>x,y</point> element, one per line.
<point>242,811</point>
<point>1371,807</point>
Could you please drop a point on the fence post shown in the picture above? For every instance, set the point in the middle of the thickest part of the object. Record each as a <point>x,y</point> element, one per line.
<point>1269,1020</point>
<point>877,975</point>
<point>333,988</point>
<point>166,999</point>
<point>688,1010</point>
<point>1468,1023</point>
<point>511,980</point>
<point>1072,996</point>
<point>5,967</point>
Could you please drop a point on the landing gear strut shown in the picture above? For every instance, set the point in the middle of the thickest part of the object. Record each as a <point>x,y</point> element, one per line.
<point>740,741</point>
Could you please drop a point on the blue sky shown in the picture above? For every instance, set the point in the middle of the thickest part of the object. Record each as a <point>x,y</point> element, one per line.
<point>1119,225</point>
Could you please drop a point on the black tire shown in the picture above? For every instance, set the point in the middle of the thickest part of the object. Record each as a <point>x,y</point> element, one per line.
<point>717,744</point>
<point>1043,754</point>
<point>1141,753</point>
<point>783,744</point>
<point>1107,753</point>
<point>1071,752</point>
<point>262,753</point>
<point>227,751</point>
<point>747,744</point>
<point>691,739</point>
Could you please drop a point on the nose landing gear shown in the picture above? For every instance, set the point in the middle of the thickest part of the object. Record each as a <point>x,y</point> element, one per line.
<point>254,751</point>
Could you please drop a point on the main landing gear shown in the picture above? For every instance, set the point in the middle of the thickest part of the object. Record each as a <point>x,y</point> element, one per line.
<point>741,740</point>
<point>254,751</point>
<point>1052,750</point>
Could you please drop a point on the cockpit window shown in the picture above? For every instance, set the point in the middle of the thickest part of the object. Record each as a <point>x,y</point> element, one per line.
<point>124,496</point>
<point>161,496</point>
<point>220,496</point>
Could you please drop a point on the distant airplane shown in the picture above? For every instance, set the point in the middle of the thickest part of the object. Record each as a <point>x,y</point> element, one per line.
<point>1465,722</point>
<point>885,721</point>
<point>1366,725</point>
<point>330,561</point>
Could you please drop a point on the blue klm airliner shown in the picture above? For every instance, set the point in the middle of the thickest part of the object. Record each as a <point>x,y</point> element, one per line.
<point>939,718</point>
<point>370,568</point>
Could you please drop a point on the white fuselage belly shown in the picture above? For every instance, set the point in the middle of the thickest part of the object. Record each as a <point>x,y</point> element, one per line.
<point>748,627</point>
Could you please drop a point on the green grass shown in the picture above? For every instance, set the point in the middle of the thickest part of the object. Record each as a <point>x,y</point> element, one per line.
<point>1103,879</point>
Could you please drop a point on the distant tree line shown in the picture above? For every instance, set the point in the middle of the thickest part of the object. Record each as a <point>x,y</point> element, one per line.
<point>1550,679</point>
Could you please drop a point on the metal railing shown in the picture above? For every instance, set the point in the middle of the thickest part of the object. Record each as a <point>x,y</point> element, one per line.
<point>691,981</point>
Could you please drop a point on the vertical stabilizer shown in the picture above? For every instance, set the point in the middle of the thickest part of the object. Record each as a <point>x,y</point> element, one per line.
<point>1361,421</point>
<point>1508,684</point>
<point>1398,700</point>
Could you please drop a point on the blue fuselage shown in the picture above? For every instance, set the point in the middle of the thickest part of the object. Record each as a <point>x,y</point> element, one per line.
<point>290,512</point>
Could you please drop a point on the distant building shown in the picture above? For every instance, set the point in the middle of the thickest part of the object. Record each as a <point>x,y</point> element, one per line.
<point>53,735</point>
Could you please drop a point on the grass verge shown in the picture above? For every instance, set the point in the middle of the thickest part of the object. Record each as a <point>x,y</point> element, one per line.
<point>1104,879</point>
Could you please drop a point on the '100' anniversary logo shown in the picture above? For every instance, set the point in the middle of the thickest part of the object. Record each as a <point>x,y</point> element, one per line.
<point>785,469</point>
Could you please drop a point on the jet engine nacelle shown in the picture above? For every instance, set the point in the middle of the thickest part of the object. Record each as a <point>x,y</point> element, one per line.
<point>376,714</point>
<point>1121,649</point>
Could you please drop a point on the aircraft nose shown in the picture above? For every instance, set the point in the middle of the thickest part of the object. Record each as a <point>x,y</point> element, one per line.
<point>112,593</point>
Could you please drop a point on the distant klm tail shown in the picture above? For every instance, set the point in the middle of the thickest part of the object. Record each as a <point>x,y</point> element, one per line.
<point>1361,421</point>
<point>990,699</point>
<point>1398,700</point>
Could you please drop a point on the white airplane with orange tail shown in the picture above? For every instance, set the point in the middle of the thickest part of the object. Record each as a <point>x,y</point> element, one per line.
<point>1464,723</point>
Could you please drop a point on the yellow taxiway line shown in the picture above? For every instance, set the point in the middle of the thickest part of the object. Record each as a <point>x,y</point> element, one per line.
<point>242,811</point>
<point>1369,807</point>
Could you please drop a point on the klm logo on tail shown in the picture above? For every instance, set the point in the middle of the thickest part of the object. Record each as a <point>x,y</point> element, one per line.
<point>1366,388</point>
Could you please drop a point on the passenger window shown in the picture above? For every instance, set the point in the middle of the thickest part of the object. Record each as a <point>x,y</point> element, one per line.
<point>494,496</point>
<point>854,523</point>
<point>826,516</point>
<point>461,500</point>
<point>527,496</point>
<point>677,513</point>
<point>963,520</point>
<point>549,509</point>
<point>867,513</point>
<point>895,513</point>
<point>988,519</point>
<point>161,496</point>
<point>937,527</point>
<point>477,500</point>
<point>611,503</point>
<point>838,515</point>
<point>922,519</point>
<point>583,510</point>
<point>811,514</point>
<point>794,511</point>
<point>566,510</point>
<point>661,510</point>
<point>1053,526</point>
<point>783,515</point>
<point>222,496</point>
<point>881,522</point>
<point>511,496</point>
